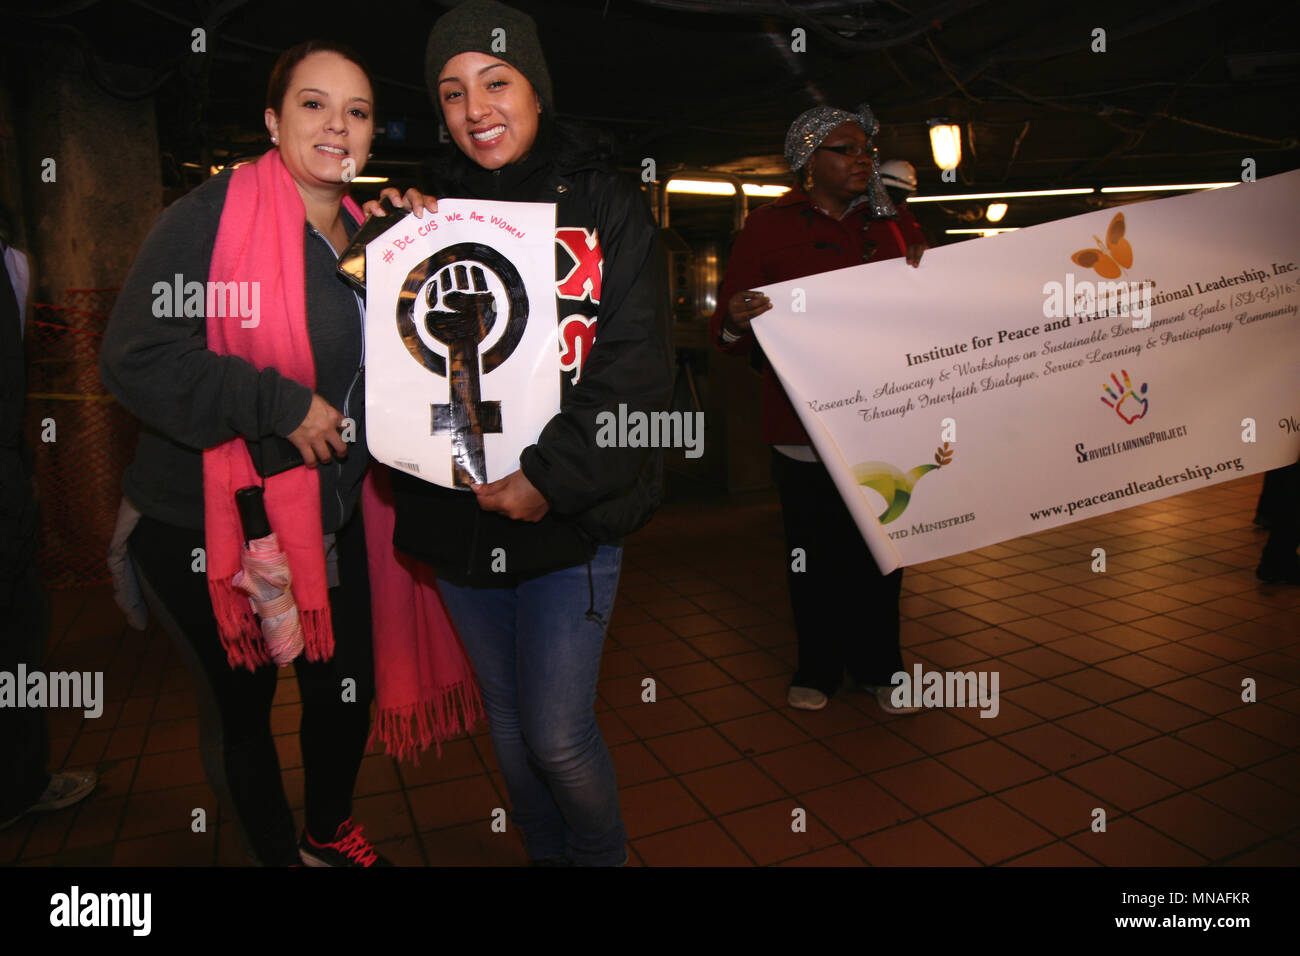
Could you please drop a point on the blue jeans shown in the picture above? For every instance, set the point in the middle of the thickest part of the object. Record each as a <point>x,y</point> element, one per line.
<point>537,658</point>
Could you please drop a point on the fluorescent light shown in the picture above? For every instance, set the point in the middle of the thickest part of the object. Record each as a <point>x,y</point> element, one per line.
<point>701,187</point>
<point>716,187</point>
<point>995,212</point>
<point>945,143</point>
<point>369,179</point>
<point>1020,195</point>
<point>1161,189</point>
<point>980,232</point>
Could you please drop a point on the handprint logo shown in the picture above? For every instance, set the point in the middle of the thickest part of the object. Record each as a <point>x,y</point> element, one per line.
<point>1128,404</point>
<point>894,486</point>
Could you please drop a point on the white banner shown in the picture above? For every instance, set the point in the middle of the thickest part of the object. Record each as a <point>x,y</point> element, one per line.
<point>462,348</point>
<point>1015,383</point>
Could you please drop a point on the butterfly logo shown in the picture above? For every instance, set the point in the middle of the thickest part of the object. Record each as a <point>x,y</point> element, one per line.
<point>1109,260</point>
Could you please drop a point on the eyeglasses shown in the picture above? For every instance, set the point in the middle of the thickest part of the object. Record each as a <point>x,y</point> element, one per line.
<point>848,149</point>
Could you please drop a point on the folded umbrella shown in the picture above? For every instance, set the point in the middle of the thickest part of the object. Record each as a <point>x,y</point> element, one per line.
<point>266,579</point>
<point>126,584</point>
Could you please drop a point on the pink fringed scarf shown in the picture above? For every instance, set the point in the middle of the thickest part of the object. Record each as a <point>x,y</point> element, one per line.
<point>425,690</point>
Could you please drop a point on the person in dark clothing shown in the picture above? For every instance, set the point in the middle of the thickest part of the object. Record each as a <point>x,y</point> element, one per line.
<point>25,784</point>
<point>190,398</point>
<point>898,176</point>
<point>1280,507</point>
<point>535,632</point>
<point>839,216</point>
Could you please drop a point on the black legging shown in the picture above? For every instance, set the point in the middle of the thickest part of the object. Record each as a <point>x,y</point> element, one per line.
<point>235,704</point>
<point>1279,504</point>
<point>24,731</point>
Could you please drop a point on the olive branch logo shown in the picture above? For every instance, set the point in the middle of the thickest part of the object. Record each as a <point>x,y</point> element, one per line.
<point>895,486</point>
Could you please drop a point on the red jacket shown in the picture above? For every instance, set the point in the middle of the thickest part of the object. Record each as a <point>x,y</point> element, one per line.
<point>788,239</point>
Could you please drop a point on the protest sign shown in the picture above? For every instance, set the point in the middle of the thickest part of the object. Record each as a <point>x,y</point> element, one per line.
<point>462,346</point>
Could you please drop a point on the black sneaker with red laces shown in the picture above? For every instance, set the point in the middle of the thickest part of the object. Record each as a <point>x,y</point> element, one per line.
<point>349,848</point>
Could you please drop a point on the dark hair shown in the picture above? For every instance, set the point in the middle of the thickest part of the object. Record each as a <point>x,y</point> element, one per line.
<point>278,86</point>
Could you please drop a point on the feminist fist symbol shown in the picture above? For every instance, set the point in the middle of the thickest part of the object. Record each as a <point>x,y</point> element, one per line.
<point>471,307</point>
<point>1128,405</point>
<point>466,417</point>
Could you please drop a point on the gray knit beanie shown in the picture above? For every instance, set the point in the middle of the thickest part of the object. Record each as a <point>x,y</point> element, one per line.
<point>471,27</point>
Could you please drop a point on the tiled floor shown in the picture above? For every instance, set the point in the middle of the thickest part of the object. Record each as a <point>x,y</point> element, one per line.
<point>1119,691</point>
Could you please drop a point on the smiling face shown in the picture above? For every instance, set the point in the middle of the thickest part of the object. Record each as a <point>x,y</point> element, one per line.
<point>839,176</point>
<point>490,109</point>
<point>324,125</point>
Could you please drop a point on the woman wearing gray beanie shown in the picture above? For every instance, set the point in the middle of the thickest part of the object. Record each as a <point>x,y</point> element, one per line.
<point>535,633</point>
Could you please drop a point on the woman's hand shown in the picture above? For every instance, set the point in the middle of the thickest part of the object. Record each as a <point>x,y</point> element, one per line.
<point>914,253</point>
<point>318,434</point>
<point>743,307</point>
<point>413,200</point>
<point>513,496</point>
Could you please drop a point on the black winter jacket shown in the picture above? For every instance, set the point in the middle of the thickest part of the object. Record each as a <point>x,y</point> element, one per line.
<point>596,495</point>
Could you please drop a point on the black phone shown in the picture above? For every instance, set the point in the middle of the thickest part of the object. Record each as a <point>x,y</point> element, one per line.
<point>272,455</point>
<point>352,262</point>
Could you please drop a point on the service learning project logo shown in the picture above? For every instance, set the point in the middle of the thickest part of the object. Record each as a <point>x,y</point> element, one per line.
<point>1129,405</point>
<point>895,486</point>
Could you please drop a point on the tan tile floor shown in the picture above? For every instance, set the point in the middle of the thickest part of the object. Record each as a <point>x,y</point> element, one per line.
<point>1119,690</point>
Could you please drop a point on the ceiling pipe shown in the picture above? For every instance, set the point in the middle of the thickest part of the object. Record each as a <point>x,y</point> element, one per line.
<point>825,27</point>
<point>1028,52</point>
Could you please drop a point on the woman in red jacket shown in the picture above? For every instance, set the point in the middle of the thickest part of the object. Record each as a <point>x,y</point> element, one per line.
<point>846,612</point>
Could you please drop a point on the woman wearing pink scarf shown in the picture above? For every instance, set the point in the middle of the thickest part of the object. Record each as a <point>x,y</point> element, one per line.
<point>233,327</point>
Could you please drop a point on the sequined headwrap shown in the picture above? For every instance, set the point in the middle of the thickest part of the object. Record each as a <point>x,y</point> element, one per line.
<point>811,129</point>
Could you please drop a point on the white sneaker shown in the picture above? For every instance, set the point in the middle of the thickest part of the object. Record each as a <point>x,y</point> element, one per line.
<point>63,790</point>
<point>882,698</point>
<point>805,698</point>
